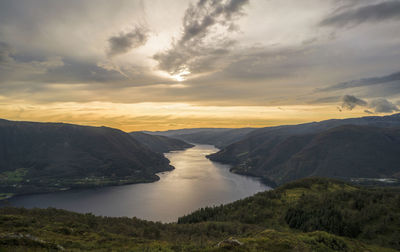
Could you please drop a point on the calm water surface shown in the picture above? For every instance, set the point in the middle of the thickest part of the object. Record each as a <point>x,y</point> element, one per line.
<point>196,182</point>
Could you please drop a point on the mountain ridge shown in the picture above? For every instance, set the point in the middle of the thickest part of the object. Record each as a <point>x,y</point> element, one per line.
<point>266,152</point>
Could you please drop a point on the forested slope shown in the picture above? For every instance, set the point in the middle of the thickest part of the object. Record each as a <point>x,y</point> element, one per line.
<point>306,215</point>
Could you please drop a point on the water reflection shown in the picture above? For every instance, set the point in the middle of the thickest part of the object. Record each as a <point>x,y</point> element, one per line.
<point>196,182</point>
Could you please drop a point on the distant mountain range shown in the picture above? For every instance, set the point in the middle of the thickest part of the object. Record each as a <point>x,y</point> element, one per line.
<point>160,144</point>
<point>219,137</point>
<point>367,147</point>
<point>39,157</point>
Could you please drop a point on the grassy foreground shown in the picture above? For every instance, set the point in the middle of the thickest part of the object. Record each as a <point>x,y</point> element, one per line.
<point>306,215</point>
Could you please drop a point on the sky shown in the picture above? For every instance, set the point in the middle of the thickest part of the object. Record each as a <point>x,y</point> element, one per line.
<point>170,64</point>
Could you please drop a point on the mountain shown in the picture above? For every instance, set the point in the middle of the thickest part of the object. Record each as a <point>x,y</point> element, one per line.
<point>38,157</point>
<point>219,137</point>
<point>223,137</point>
<point>366,147</point>
<point>160,144</point>
<point>306,215</point>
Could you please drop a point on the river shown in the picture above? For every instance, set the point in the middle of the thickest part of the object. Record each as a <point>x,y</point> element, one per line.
<point>194,183</point>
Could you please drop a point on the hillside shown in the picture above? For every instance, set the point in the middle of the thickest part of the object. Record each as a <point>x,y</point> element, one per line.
<point>367,214</point>
<point>160,144</point>
<point>39,157</point>
<point>369,148</point>
<point>219,137</point>
<point>308,215</point>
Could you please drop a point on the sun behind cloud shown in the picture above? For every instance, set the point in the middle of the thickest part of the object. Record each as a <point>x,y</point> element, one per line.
<point>181,76</point>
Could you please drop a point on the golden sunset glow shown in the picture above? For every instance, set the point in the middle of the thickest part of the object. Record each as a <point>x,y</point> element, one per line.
<point>164,116</point>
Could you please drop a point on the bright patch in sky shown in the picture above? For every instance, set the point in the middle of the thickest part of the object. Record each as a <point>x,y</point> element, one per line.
<point>181,76</point>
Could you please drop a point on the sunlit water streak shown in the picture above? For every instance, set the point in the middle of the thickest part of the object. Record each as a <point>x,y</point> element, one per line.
<point>196,182</point>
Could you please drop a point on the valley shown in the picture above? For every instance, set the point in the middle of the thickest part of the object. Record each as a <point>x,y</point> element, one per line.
<point>194,183</point>
<point>196,202</point>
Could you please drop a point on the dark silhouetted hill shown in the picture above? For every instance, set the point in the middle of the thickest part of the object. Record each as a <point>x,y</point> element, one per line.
<point>368,148</point>
<point>160,144</point>
<point>50,156</point>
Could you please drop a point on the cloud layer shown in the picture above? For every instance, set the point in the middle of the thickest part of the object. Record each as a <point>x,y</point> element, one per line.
<point>229,53</point>
<point>205,37</point>
<point>350,102</point>
<point>124,42</point>
<point>381,105</point>
<point>377,12</point>
<point>394,77</point>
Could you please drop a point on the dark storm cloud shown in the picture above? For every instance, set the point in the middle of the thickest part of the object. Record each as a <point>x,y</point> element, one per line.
<point>370,13</point>
<point>364,82</point>
<point>349,102</point>
<point>379,105</point>
<point>197,50</point>
<point>125,42</point>
<point>199,18</point>
<point>382,105</point>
